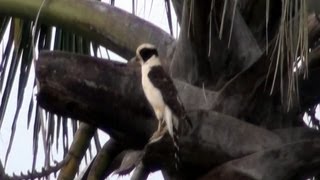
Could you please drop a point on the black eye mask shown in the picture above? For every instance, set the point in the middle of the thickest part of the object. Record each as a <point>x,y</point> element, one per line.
<point>146,53</point>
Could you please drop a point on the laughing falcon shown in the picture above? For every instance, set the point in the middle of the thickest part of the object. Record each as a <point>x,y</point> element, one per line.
<point>160,93</point>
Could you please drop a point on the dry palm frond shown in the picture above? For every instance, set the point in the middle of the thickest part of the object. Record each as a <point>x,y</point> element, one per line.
<point>210,27</point>
<point>291,49</point>
<point>169,16</point>
<point>134,7</point>
<point>223,18</point>
<point>232,21</point>
<point>42,123</point>
<point>267,22</point>
<point>191,19</point>
<point>42,174</point>
<point>233,4</point>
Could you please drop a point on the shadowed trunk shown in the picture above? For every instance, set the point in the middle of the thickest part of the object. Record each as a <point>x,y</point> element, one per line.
<point>217,137</point>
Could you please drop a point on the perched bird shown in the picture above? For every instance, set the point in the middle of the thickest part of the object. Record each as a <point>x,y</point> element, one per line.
<point>161,94</point>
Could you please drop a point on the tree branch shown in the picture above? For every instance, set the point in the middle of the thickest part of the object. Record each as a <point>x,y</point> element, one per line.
<point>97,21</point>
<point>127,161</point>
<point>140,173</point>
<point>109,96</point>
<point>77,151</point>
<point>291,135</point>
<point>278,163</point>
<point>102,166</point>
<point>66,92</point>
<point>3,174</point>
<point>110,82</point>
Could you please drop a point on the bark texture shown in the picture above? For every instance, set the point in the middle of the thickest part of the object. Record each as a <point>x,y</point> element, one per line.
<point>220,139</point>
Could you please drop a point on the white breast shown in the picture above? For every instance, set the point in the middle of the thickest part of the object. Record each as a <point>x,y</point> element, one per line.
<point>153,94</point>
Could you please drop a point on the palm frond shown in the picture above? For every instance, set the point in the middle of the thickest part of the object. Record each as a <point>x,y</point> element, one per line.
<point>291,48</point>
<point>169,16</point>
<point>4,22</point>
<point>21,50</point>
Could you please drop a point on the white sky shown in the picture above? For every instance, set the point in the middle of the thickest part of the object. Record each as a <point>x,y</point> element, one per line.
<point>20,158</point>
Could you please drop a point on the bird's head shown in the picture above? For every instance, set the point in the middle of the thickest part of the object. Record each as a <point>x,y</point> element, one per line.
<point>145,52</point>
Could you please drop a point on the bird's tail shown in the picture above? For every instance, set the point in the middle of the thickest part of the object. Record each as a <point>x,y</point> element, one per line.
<point>173,126</point>
<point>175,139</point>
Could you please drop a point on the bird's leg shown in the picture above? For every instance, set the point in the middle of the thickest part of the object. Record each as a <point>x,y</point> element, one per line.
<point>158,134</point>
<point>163,128</point>
<point>159,125</point>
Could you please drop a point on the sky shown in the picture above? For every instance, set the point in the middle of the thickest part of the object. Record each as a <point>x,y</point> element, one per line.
<point>20,158</point>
